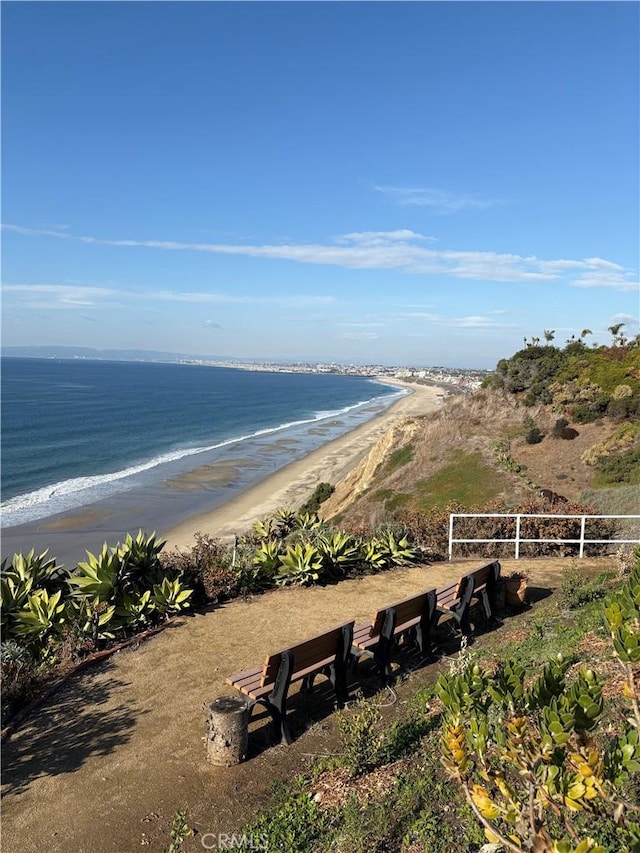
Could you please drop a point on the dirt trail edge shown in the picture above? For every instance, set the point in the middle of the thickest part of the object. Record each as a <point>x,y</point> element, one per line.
<point>107,761</point>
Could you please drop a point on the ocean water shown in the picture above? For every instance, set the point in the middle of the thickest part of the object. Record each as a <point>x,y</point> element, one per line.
<point>77,431</point>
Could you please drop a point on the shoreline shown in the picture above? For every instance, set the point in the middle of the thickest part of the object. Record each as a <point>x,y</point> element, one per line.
<point>212,497</point>
<point>292,484</point>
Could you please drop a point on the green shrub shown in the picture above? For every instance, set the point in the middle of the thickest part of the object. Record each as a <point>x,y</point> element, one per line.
<point>206,567</point>
<point>533,436</point>
<point>361,743</point>
<point>20,677</point>
<point>292,826</point>
<point>320,494</point>
<point>576,589</point>
<point>623,467</point>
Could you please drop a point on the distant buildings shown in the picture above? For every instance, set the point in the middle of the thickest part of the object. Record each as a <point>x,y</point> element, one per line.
<point>459,379</point>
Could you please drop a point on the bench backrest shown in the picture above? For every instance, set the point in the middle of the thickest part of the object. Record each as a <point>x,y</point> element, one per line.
<point>306,654</point>
<point>406,610</point>
<point>485,574</point>
<point>448,595</point>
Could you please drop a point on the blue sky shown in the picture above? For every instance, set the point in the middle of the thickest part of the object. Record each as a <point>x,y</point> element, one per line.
<point>403,183</point>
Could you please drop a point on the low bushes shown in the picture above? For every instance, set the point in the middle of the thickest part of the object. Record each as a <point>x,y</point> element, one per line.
<point>52,615</point>
<point>430,531</point>
<point>524,747</point>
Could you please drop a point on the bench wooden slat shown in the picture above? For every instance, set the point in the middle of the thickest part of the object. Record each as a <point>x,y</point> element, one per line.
<point>239,677</point>
<point>306,654</point>
<point>447,596</point>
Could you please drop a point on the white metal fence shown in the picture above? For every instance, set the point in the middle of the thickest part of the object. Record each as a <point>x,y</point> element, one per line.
<point>518,539</point>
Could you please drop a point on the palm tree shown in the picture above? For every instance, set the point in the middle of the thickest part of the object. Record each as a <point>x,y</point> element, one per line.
<point>548,335</point>
<point>617,338</point>
<point>584,333</point>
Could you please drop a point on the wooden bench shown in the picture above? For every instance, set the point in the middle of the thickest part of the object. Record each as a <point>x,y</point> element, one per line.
<point>325,654</point>
<point>456,599</point>
<point>410,617</point>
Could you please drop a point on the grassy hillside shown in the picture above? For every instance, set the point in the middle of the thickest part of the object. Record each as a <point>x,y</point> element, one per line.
<point>562,421</point>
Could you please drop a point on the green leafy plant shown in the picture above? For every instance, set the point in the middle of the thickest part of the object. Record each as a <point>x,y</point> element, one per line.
<point>307,521</point>
<point>41,620</point>
<point>576,589</point>
<point>340,552</point>
<point>170,597</point>
<point>320,494</point>
<point>140,558</point>
<point>267,561</point>
<point>180,830</point>
<point>101,577</point>
<point>95,618</point>
<point>522,747</point>
<point>361,742</point>
<point>300,564</point>
<point>26,574</point>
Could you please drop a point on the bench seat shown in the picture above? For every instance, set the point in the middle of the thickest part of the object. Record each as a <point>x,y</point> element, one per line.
<point>457,598</point>
<point>325,654</point>
<point>409,618</point>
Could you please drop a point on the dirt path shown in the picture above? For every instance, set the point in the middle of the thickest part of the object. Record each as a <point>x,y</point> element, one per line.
<point>111,757</point>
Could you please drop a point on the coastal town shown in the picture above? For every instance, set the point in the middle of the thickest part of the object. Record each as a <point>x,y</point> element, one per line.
<point>459,379</point>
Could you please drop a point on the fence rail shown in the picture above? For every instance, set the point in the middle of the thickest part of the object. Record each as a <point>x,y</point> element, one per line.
<point>518,539</point>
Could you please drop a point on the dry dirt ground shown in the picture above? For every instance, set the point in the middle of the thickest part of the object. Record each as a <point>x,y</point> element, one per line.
<point>111,756</point>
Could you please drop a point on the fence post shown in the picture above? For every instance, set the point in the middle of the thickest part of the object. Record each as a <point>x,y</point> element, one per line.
<point>450,534</point>
<point>583,522</point>
<point>518,536</point>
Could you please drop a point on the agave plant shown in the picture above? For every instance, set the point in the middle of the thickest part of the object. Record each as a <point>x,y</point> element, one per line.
<point>267,558</point>
<point>140,559</point>
<point>339,551</point>
<point>44,615</point>
<point>13,598</point>
<point>307,521</point>
<point>398,551</point>
<point>101,577</point>
<point>95,619</point>
<point>170,597</point>
<point>286,520</point>
<point>40,570</point>
<point>23,577</point>
<point>265,528</point>
<point>374,556</point>
<point>300,564</point>
<point>134,610</point>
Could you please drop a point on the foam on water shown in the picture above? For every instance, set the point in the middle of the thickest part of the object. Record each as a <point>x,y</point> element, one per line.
<point>80,491</point>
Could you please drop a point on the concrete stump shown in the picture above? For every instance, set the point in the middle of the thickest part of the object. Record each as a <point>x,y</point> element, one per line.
<point>227,731</point>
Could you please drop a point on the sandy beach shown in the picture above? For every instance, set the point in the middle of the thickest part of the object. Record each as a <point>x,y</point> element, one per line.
<point>292,485</point>
<point>223,496</point>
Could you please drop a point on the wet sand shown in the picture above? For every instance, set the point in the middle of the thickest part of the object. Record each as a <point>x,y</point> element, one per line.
<point>293,484</point>
<point>174,507</point>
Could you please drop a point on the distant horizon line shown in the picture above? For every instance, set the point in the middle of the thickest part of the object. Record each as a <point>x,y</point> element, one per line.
<point>72,353</point>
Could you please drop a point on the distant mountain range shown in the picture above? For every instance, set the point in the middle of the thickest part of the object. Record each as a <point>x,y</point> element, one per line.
<point>109,354</point>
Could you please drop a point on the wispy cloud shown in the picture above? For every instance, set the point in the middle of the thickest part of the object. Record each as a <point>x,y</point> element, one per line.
<point>380,238</point>
<point>359,336</point>
<point>362,325</point>
<point>234,299</point>
<point>472,321</point>
<point>64,295</point>
<point>440,201</point>
<point>399,249</point>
